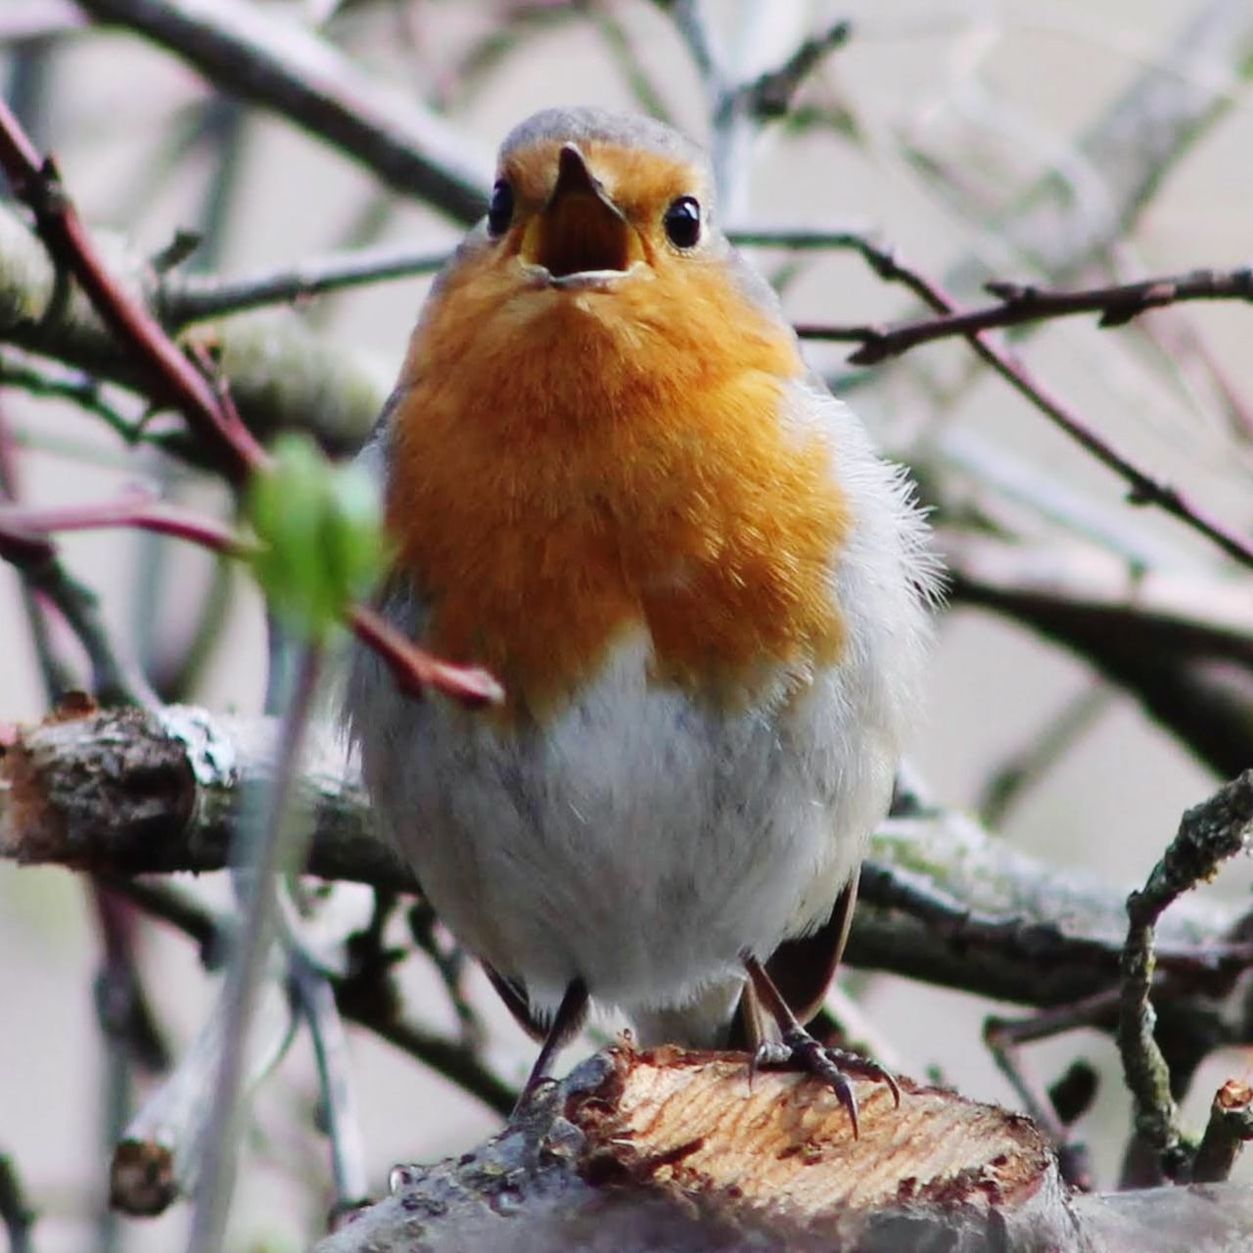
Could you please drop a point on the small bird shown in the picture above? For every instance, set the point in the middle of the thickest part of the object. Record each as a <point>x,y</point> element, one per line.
<point>609,479</point>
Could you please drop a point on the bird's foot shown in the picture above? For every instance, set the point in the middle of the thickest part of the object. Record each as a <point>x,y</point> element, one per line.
<point>798,1050</point>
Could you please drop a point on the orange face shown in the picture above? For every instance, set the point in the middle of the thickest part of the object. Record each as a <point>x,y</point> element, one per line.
<point>590,443</point>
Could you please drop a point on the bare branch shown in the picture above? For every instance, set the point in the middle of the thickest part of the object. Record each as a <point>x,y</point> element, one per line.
<point>132,792</point>
<point>1019,304</point>
<point>1208,834</point>
<point>1144,488</point>
<point>364,994</point>
<point>137,511</point>
<point>190,297</point>
<point>208,408</point>
<point>171,376</point>
<point>282,375</point>
<point>160,1154</point>
<point>268,60</point>
<point>315,995</point>
<point>115,678</point>
<point>770,94</point>
<point>1183,646</point>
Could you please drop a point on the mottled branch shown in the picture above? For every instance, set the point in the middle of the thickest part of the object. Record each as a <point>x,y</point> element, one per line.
<point>1209,834</point>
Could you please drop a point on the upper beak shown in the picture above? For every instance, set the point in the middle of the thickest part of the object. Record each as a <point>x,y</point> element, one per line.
<point>580,235</point>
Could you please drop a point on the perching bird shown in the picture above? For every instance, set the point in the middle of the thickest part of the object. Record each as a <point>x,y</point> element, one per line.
<point>609,479</point>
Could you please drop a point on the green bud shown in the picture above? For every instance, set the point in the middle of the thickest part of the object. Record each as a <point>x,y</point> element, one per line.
<point>321,541</point>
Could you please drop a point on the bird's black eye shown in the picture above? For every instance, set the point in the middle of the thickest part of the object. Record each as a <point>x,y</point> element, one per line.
<point>500,210</point>
<point>682,222</point>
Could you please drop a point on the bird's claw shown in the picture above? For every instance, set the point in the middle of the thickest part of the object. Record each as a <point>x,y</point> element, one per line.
<point>798,1050</point>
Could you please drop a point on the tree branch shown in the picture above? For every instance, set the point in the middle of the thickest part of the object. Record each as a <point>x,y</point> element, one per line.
<point>1144,488</point>
<point>183,298</point>
<point>1182,646</point>
<point>1209,834</point>
<point>131,792</point>
<point>674,1150</point>
<point>268,60</point>
<point>282,375</point>
<point>1019,304</point>
<point>207,408</point>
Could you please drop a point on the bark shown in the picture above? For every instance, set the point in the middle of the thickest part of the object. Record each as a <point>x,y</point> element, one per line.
<point>671,1150</point>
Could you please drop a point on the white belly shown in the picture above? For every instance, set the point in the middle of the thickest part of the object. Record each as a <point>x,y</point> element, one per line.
<point>639,842</point>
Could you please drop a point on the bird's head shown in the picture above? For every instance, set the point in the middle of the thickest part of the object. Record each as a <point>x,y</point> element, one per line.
<point>589,202</point>
<point>599,259</point>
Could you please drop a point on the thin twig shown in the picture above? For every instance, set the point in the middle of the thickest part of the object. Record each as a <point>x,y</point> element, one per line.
<point>56,675</point>
<point>801,238</point>
<point>36,183</point>
<point>271,849</point>
<point>770,94</point>
<point>1144,488</point>
<point>1208,834</point>
<point>114,680</point>
<point>78,389</point>
<point>449,1058</point>
<point>315,996</point>
<point>188,298</point>
<point>450,963</point>
<point>185,298</point>
<point>364,995</point>
<point>122,1005</point>
<point>175,906</point>
<point>137,511</point>
<point>159,1156</point>
<point>1074,1160</point>
<point>414,669</point>
<point>206,406</point>
<point>1117,304</point>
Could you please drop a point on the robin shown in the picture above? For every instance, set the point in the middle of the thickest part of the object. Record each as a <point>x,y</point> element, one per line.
<point>609,478</point>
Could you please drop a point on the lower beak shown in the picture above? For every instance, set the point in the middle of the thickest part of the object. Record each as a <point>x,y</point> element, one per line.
<point>580,236</point>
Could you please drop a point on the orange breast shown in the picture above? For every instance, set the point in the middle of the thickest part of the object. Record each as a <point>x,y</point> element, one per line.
<point>567,469</point>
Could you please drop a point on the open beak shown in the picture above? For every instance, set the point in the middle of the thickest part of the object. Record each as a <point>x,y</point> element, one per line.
<point>580,238</point>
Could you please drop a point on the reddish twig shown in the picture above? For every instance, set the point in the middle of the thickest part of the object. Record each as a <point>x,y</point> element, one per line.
<point>414,669</point>
<point>1145,488</point>
<point>23,525</point>
<point>1018,303</point>
<point>23,533</point>
<point>205,405</point>
<point>174,379</point>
